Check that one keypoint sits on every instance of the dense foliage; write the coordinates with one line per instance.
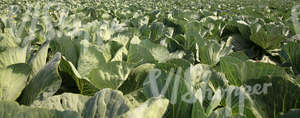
(149, 59)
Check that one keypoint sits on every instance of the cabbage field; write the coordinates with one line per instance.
(149, 59)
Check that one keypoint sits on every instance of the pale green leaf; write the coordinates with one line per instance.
(44, 84)
(13, 81)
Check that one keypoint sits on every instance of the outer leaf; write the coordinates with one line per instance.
(13, 81)
(38, 61)
(281, 94)
(172, 85)
(135, 98)
(198, 111)
(7, 41)
(13, 110)
(89, 59)
(160, 53)
(152, 108)
(206, 82)
(110, 49)
(147, 52)
(238, 42)
(136, 78)
(46, 82)
(67, 48)
(293, 55)
(210, 52)
(239, 54)
(105, 104)
(110, 75)
(238, 72)
(120, 55)
(12, 56)
(268, 36)
(237, 27)
(64, 102)
(84, 85)
(214, 102)
(138, 55)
